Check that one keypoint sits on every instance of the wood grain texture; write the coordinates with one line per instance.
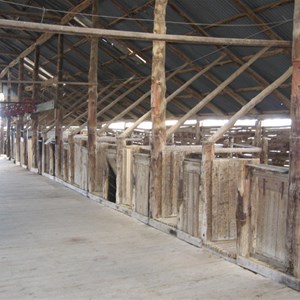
(158, 110)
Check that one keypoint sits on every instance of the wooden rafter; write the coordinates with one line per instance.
(145, 36)
(46, 36)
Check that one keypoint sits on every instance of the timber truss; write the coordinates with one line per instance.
(246, 43)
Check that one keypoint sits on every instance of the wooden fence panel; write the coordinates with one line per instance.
(141, 183)
(271, 216)
(189, 212)
(226, 174)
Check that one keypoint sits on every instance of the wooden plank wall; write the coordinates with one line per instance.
(29, 154)
(51, 156)
(172, 180)
(65, 163)
(126, 171)
(189, 208)
(81, 160)
(78, 163)
(21, 152)
(102, 170)
(141, 183)
(46, 158)
(226, 174)
(271, 214)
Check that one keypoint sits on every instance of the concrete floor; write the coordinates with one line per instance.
(56, 244)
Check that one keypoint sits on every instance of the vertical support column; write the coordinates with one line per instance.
(45, 158)
(258, 134)
(158, 110)
(259, 141)
(8, 130)
(71, 158)
(198, 133)
(34, 117)
(243, 214)
(1, 128)
(25, 146)
(208, 154)
(92, 106)
(121, 144)
(293, 213)
(59, 109)
(264, 155)
(20, 118)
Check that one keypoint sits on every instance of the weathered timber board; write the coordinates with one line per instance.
(271, 216)
(189, 214)
(226, 174)
(141, 183)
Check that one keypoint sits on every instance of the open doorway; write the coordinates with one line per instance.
(112, 185)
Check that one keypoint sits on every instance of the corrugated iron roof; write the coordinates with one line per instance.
(119, 60)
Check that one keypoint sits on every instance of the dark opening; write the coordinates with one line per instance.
(53, 155)
(112, 185)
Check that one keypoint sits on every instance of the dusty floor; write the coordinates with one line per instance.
(56, 244)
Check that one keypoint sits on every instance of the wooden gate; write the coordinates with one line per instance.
(271, 211)
(189, 211)
(141, 183)
(226, 174)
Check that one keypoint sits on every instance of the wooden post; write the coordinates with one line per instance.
(45, 158)
(20, 118)
(71, 158)
(158, 110)
(2, 136)
(208, 155)
(121, 145)
(243, 215)
(258, 134)
(293, 213)
(34, 117)
(59, 109)
(25, 146)
(8, 146)
(264, 155)
(1, 128)
(198, 133)
(92, 106)
(40, 142)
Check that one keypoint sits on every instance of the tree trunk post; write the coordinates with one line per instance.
(158, 110)
(92, 105)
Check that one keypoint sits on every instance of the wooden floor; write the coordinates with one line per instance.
(56, 244)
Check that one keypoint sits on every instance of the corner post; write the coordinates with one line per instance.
(293, 213)
(158, 110)
(59, 109)
(34, 117)
(92, 105)
(208, 155)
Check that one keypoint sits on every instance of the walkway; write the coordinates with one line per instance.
(56, 244)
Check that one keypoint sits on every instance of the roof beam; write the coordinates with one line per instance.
(47, 35)
(252, 103)
(32, 15)
(215, 92)
(50, 29)
(282, 98)
(168, 99)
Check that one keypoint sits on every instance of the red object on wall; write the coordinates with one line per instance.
(17, 108)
